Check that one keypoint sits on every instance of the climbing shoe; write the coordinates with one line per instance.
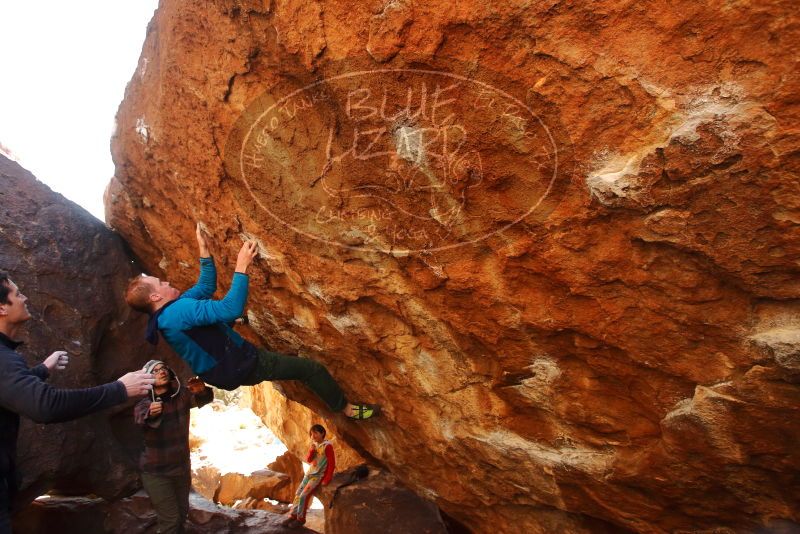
(364, 411)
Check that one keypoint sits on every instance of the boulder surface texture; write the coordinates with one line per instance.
(376, 501)
(558, 242)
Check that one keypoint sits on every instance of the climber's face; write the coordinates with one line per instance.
(317, 436)
(161, 290)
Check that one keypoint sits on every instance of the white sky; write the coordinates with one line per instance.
(63, 73)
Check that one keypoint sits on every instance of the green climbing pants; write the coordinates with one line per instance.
(275, 366)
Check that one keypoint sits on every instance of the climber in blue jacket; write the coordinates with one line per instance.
(198, 329)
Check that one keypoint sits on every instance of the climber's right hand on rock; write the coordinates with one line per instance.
(137, 383)
(202, 243)
(246, 255)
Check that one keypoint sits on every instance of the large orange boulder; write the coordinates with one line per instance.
(558, 242)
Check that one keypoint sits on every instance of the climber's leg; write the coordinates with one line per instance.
(275, 366)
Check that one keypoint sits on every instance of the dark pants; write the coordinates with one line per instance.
(170, 498)
(5, 506)
(275, 366)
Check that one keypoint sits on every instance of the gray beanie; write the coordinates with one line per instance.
(148, 368)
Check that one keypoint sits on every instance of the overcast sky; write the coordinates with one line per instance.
(63, 74)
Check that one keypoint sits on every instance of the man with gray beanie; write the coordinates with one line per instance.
(165, 465)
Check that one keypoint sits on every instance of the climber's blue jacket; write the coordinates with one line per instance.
(197, 328)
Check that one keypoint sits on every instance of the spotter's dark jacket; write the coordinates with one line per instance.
(23, 391)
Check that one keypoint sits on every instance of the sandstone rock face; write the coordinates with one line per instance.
(377, 502)
(557, 242)
(263, 484)
(231, 487)
(73, 271)
(205, 481)
(315, 518)
(288, 464)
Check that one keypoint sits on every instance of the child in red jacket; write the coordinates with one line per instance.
(323, 464)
